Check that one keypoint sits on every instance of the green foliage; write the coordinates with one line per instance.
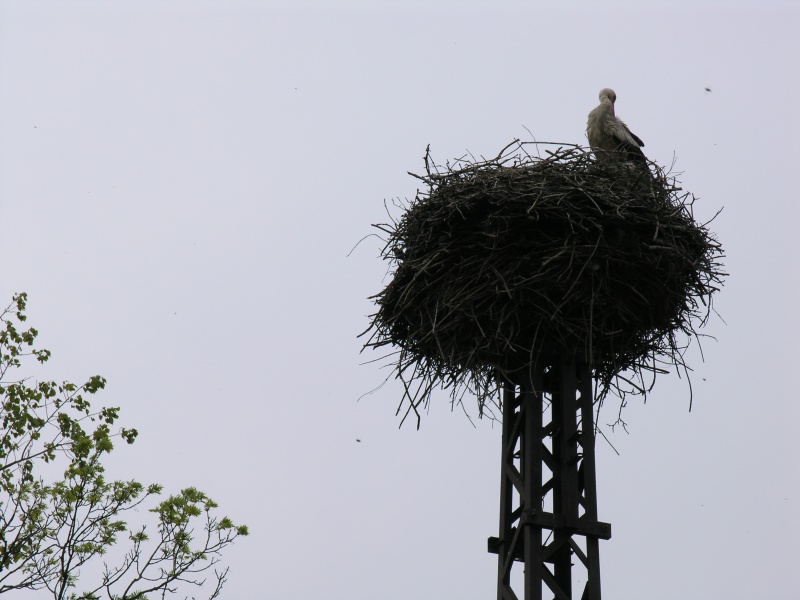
(49, 530)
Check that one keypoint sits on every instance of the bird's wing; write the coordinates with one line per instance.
(620, 131)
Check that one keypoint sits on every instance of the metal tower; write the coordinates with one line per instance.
(548, 497)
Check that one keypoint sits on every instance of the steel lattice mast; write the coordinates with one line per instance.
(548, 497)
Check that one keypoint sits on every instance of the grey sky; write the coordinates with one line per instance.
(180, 184)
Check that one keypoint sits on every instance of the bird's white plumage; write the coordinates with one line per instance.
(609, 138)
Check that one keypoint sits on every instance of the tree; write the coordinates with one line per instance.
(50, 529)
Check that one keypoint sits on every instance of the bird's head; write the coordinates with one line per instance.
(608, 93)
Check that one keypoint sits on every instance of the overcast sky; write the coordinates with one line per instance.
(181, 184)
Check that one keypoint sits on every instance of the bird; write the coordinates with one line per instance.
(609, 138)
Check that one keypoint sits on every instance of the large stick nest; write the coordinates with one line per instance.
(505, 262)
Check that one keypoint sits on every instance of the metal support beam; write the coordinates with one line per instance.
(548, 486)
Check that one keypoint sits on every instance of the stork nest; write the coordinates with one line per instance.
(503, 263)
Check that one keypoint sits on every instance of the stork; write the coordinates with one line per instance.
(609, 137)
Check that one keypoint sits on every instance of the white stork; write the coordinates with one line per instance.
(609, 137)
